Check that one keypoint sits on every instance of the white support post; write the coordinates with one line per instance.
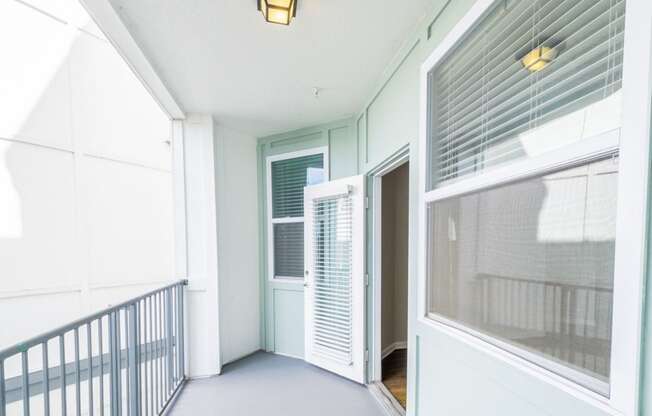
(202, 345)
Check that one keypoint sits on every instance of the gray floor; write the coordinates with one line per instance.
(268, 384)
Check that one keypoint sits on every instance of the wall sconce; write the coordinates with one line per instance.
(538, 58)
(278, 11)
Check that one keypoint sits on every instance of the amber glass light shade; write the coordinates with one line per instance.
(539, 58)
(278, 11)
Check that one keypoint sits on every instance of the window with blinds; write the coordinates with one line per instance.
(532, 76)
(288, 178)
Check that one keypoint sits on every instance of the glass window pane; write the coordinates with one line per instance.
(289, 177)
(288, 250)
(332, 278)
(531, 264)
(531, 77)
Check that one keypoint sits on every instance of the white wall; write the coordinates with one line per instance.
(222, 239)
(202, 314)
(237, 213)
(86, 207)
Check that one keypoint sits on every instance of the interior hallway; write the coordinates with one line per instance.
(268, 384)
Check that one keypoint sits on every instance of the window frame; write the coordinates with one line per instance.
(632, 143)
(270, 220)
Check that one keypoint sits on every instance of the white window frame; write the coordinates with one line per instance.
(632, 142)
(269, 218)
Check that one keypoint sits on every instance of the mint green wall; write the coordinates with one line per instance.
(646, 389)
(446, 375)
(646, 369)
(282, 330)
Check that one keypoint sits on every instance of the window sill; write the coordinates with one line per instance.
(549, 377)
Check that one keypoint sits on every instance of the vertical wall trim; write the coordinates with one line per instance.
(366, 135)
(179, 193)
(414, 400)
(82, 267)
(434, 19)
(262, 257)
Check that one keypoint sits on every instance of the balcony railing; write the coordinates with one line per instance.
(125, 360)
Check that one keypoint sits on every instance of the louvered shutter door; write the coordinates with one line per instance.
(484, 103)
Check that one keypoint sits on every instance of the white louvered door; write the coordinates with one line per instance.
(334, 277)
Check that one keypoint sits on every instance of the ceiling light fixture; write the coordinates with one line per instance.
(278, 11)
(539, 58)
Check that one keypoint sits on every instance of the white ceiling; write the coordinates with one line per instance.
(220, 57)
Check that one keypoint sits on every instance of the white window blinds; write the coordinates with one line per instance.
(289, 177)
(333, 316)
(492, 101)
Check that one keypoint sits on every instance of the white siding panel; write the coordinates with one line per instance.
(130, 223)
(34, 87)
(115, 116)
(36, 217)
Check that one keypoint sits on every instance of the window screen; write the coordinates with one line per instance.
(288, 178)
(531, 77)
(531, 264)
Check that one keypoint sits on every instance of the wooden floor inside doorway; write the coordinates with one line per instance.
(395, 374)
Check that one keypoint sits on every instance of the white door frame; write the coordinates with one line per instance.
(392, 163)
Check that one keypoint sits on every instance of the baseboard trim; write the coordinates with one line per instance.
(399, 345)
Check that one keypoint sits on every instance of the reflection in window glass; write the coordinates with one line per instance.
(493, 101)
(532, 263)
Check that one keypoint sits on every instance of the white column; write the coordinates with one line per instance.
(196, 240)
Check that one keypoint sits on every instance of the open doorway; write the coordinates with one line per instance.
(394, 285)
(390, 223)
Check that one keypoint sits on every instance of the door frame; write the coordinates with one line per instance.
(374, 259)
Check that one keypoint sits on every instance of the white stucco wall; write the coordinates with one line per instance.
(237, 212)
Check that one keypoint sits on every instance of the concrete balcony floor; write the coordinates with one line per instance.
(268, 384)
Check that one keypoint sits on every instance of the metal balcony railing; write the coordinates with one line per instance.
(125, 360)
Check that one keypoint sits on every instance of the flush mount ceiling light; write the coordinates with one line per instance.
(538, 58)
(278, 11)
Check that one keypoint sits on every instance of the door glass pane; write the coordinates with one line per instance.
(531, 264)
(332, 268)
